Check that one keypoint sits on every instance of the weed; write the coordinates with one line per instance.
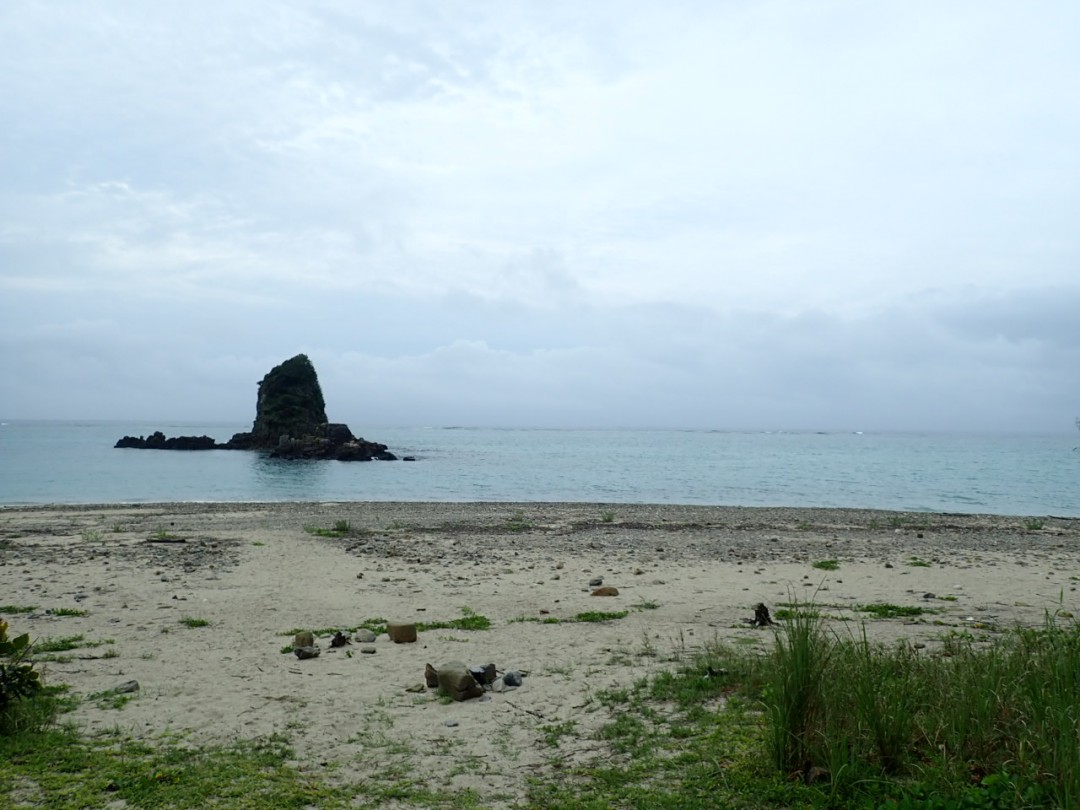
(644, 605)
(73, 612)
(191, 621)
(607, 517)
(826, 565)
(13, 610)
(918, 563)
(1034, 524)
(554, 732)
(600, 616)
(885, 610)
(517, 522)
(92, 536)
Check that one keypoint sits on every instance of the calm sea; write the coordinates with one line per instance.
(74, 462)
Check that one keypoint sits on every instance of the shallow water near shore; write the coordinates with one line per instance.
(75, 462)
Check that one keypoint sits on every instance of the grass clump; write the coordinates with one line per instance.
(832, 721)
(826, 565)
(193, 622)
(886, 610)
(600, 616)
(71, 612)
(15, 610)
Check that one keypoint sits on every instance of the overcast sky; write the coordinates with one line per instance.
(718, 214)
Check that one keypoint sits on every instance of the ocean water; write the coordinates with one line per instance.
(75, 462)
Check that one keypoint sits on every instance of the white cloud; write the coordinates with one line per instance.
(792, 214)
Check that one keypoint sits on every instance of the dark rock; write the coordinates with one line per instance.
(126, 688)
(304, 653)
(431, 676)
(339, 640)
(512, 678)
(596, 582)
(401, 633)
(483, 674)
(761, 616)
(158, 441)
(289, 403)
(290, 423)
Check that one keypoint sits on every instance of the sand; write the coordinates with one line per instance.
(688, 577)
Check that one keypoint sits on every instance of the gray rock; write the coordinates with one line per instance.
(596, 582)
(127, 687)
(451, 724)
(364, 636)
(512, 678)
(304, 639)
(368, 650)
(457, 682)
(304, 653)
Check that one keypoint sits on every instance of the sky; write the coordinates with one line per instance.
(759, 215)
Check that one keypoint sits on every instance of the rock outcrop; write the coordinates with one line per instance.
(290, 423)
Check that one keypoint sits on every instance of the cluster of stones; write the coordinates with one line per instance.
(455, 679)
(290, 423)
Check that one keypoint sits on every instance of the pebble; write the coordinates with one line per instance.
(451, 724)
(368, 650)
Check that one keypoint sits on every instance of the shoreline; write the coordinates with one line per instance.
(688, 576)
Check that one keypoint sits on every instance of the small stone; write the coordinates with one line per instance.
(368, 650)
(431, 677)
(304, 639)
(607, 590)
(888, 565)
(451, 724)
(404, 633)
(560, 565)
(304, 653)
(596, 582)
(512, 678)
(929, 596)
(364, 636)
(126, 688)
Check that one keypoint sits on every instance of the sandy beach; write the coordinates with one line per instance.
(247, 574)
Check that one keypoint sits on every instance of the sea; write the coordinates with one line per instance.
(74, 462)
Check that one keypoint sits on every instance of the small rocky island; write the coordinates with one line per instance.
(290, 422)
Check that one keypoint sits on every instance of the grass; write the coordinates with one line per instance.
(341, 528)
(65, 643)
(831, 721)
(1034, 524)
(826, 565)
(822, 720)
(885, 610)
(587, 617)
(14, 610)
(607, 517)
(193, 622)
(72, 612)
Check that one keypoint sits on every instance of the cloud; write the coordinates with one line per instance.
(822, 214)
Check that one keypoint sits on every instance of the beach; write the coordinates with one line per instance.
(196, 602)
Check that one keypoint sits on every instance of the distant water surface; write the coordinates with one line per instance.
(75, 462)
